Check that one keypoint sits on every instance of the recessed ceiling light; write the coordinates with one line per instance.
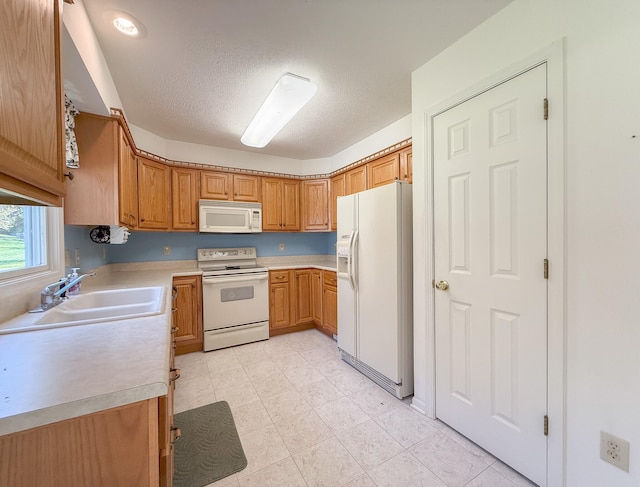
(125, 23)
(125, 26)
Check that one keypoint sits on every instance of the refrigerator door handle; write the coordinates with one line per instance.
(352, 265)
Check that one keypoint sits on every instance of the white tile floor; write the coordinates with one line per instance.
(305, 418)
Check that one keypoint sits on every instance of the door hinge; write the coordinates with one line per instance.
(546, 425)
(546, 108)
(546, 268)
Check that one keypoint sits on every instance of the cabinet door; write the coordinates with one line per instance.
(271, 204)
(215, 185)
(185, 194)
(280, 305)
(92, 196)
(154, 195)
(315, 205)
(356, 180)
(384, 170)
(188, 318)
(31, 100)
(290, 205)
(330, 309)
(246, 188)
(337, 189)
(127, 182)
(303, 296)
(316, 296)
(165, 434)
(406, 165)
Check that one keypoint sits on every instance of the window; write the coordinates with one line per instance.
(23, 244)
(29, 241)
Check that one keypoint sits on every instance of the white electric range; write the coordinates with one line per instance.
(235, 297)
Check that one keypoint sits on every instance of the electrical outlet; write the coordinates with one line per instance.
(614, 450)
(281, 247)
(76, 257)
(167, 250)
(67, 258)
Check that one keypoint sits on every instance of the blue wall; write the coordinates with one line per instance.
(92, 255)
(148, 246)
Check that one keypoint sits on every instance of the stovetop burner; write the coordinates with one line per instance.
(228, 261)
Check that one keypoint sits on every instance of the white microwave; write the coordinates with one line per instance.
(229, 217)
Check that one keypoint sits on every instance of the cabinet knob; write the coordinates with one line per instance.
(406, 176)
(174, 375)
(176, 433)
(141, 219)
(174, 329)
(396, 178)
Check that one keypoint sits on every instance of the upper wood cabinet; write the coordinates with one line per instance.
(337, 189)
(280, 204)
(315, 205)
(32, 160)
(246, 187)
(127, 181)
(92, 197)
(406, 165)
(185, 192)
(356, 180)
(384, 170)
(104, 190)
(226, 186)
(215, 185)
(154, 195)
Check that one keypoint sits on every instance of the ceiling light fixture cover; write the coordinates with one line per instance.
(286, 99)
(125, 23)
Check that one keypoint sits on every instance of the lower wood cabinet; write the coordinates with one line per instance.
(302, 298)
(316, 296)
(280, 309)
(129, 445)
(330, 303)
(188, 314)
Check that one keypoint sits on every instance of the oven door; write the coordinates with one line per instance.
(235, 300)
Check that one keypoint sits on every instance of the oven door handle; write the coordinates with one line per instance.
(222, 280)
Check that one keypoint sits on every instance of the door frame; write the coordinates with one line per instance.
(553, 57)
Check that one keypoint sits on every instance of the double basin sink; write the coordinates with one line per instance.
(95, 307)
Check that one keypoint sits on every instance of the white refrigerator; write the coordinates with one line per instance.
(375, 285)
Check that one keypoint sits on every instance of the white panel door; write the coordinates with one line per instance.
(379, 280)
(490, 206)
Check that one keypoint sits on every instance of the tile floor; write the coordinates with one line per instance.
(306, 418)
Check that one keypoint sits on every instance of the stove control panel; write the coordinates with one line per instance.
(226, 254)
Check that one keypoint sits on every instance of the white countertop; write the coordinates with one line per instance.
(55, 374)
(325, 262)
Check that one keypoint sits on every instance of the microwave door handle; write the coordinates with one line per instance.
(220, 280)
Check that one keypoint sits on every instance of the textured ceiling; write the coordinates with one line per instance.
(206, 66)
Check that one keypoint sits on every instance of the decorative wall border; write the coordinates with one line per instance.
(118, 114)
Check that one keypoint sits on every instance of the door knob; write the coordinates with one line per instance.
(442, 285)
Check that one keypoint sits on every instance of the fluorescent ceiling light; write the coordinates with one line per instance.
(288, 96)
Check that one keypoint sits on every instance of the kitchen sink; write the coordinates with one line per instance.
(97, 307)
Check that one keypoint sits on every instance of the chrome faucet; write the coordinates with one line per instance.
(49, 297)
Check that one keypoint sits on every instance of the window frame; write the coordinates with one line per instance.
(17, 280)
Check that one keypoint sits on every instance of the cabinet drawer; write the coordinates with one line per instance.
(278, 277)
(330, 278)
